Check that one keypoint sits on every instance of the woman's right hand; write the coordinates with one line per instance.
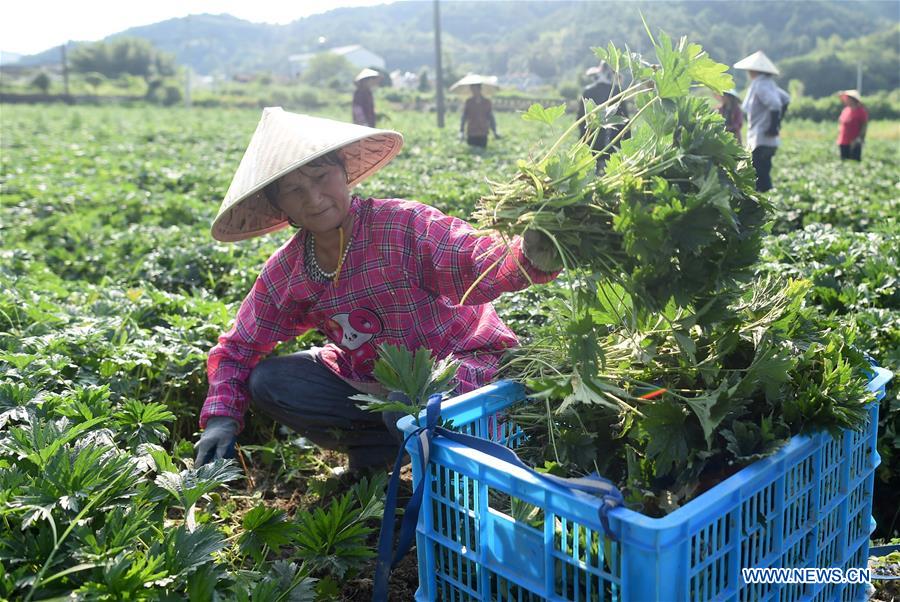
(217, 440)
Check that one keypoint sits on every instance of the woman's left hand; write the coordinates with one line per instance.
(541, 251)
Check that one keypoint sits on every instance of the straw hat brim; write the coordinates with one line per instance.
(466, 90)
(366, 74)
(488, 84)
(759, 62)
(282, 143)
(852, 94)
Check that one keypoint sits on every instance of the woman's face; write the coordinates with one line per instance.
(316, 197)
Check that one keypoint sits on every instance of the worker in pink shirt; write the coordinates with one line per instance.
(730, 110)
(852, 125)
(363, 272)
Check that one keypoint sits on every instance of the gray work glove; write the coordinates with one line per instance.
(541, 252)
(217, 440)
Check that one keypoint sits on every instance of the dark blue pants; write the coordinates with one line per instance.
(762, 162)
(302, 393)
(853, 152)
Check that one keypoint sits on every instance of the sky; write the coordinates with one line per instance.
(31, 26)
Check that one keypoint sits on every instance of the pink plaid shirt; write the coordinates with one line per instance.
(402, 282)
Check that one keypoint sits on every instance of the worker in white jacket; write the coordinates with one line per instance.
(765, 105)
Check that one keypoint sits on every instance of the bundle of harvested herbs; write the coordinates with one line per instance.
(673, 214)
(668, 412)
(669, 366)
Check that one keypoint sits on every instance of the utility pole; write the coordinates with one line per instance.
(439, 70)
(859, 77)
(187, 86)
(65, 70)
(187, 69)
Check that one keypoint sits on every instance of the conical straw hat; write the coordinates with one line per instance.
(488, 83)
(366, 74)
(854, 94)
(757, 61)
(283, 142)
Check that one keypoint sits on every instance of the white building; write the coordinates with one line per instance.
(357, 55)
(404, 80)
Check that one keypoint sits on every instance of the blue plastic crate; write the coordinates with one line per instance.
(807, 505)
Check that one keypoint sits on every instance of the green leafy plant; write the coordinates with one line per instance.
(332, 541)
(283, 582)
(264, 529)
(414, 374)
(189, 485)
(143, 422)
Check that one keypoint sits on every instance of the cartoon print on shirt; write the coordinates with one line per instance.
(353, 332)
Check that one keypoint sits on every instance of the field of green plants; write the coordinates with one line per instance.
(112, 292)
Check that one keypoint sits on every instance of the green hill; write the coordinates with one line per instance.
(833, 64)
(551, 39)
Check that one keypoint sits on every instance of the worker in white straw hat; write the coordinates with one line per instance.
(765, 105)
(477, 116)
(852, 125)
(363, 272)
(363, 99)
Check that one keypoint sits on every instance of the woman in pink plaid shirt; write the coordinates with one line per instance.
(362, 272)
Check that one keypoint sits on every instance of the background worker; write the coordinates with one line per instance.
(765, 106)
(852, 125)
(730, 109)
(363, 99)
(477, 115)
(601, 88)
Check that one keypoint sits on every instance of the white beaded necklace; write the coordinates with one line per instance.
(317, 272)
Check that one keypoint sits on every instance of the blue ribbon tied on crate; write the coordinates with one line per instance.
(609, 495)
